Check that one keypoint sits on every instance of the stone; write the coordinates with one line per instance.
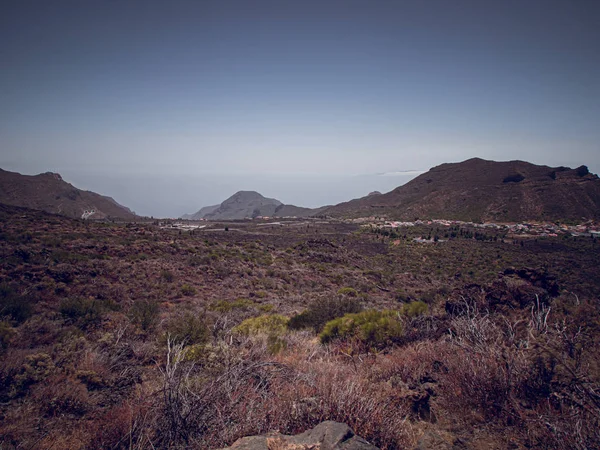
(327, 435)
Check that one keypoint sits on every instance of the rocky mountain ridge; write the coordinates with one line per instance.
(477, 189)
(249, 205)
(49, 192)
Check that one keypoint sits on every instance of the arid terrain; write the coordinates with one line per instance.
(143, 335)
(49, 192)
(479, 189)
(300, 225)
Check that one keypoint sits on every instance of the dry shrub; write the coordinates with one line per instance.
(144, 313)
(206, 410)
(12, 361)
(563, 390)
(248, 391)
(414, 364)
(127, 425)
(19, 427)
(478, 387)
(67, 436)
(334, 390)
(535, 382)
(60, 395)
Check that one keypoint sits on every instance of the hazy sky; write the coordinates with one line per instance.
(156, 90)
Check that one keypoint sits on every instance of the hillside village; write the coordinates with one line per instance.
(533, 229)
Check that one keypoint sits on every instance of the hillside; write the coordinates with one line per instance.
(242, 205)
(49, 192)
(296, 211)
(201, 213)
(477, 189)
(250, 204)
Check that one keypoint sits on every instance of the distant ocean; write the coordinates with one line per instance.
(172, 196)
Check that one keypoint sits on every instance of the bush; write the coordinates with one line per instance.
(372, 329)
(14, 306)
(61, 396)
(275, 344)
(266, 308)
(6, 334)
(322, 311)
(190, 329)
(83, 310)
(188, 290)
(414, 309)
(144, 313)
(37, 367)
(225, 306)
(167, 275)
(350, 292)
(272, 325)
(514, 178)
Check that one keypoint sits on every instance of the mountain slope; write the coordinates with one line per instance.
(50, 193)
(201, 213)
(477, 189)
(250, 204)
(297, 211)
(242, 205)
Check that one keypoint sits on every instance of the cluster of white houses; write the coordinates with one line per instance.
(534, 228)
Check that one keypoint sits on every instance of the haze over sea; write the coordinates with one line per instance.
(171, 106)
(172, 195)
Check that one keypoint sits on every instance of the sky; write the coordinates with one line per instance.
(169, 106)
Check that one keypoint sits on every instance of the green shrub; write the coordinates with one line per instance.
(16, 307)
(350, 292)
(188, 290)
(273, 325)
(6, 334)
(167, 275)
(196, 260)
(227, 306)
(85, 311)
(320, 312)
(90, 378)
(197, 352)
(266, 308)
(372, 329)
(144, 313)
(414, 309)
(275, 344)
(36, 368)
(188, 328)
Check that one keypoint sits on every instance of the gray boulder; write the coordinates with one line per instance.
(325, 436)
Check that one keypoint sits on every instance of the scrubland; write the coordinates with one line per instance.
(132, 336)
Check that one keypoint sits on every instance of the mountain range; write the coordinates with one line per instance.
(472, 190)
(481, 190)
(49, 192)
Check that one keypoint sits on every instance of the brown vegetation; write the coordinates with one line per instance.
(129, 336)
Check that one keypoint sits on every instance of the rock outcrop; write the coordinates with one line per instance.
(327, 435)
